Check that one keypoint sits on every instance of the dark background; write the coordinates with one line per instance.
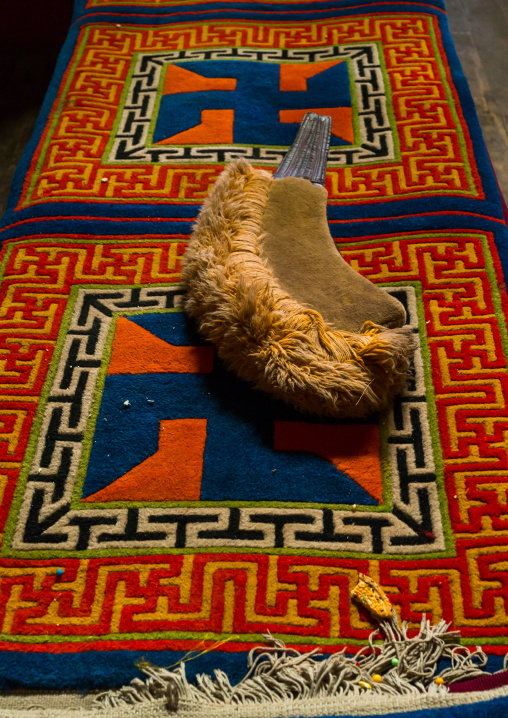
(31, 35)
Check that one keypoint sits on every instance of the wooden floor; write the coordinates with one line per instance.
(29, 51)
(480, 33)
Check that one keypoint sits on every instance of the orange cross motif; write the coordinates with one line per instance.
(174, 472)
(191, 93)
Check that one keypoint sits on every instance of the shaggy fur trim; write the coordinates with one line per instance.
(265, 336)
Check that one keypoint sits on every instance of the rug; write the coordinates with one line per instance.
(153, 504)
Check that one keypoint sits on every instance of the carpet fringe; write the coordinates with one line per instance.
(277, 673)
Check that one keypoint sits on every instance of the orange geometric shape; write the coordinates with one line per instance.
(216, 127)
(353, 449)
(137, 351)
(180, 80)
(173, 473)
(71, 156)
(342, 119)
(293, 78)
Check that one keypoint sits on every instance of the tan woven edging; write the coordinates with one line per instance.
(50, 706)
(264, 335)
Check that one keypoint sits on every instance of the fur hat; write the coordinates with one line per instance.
(265, 335)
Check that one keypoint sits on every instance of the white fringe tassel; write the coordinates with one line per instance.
(276, 673)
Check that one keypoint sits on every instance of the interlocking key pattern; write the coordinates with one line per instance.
(409, 131)
(445, 446)
(48, 521)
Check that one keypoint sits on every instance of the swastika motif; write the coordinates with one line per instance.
(447, 278)
(409, 135)
(412, 526)
(130, 144)
(151, 502)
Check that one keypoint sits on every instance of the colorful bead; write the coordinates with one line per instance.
(59, 572)
(439, 681)
(364, 684)
(377, 678)
(395, 661)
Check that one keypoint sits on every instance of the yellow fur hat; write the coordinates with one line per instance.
(264, 334)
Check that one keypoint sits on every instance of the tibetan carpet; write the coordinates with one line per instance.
(152, 504)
